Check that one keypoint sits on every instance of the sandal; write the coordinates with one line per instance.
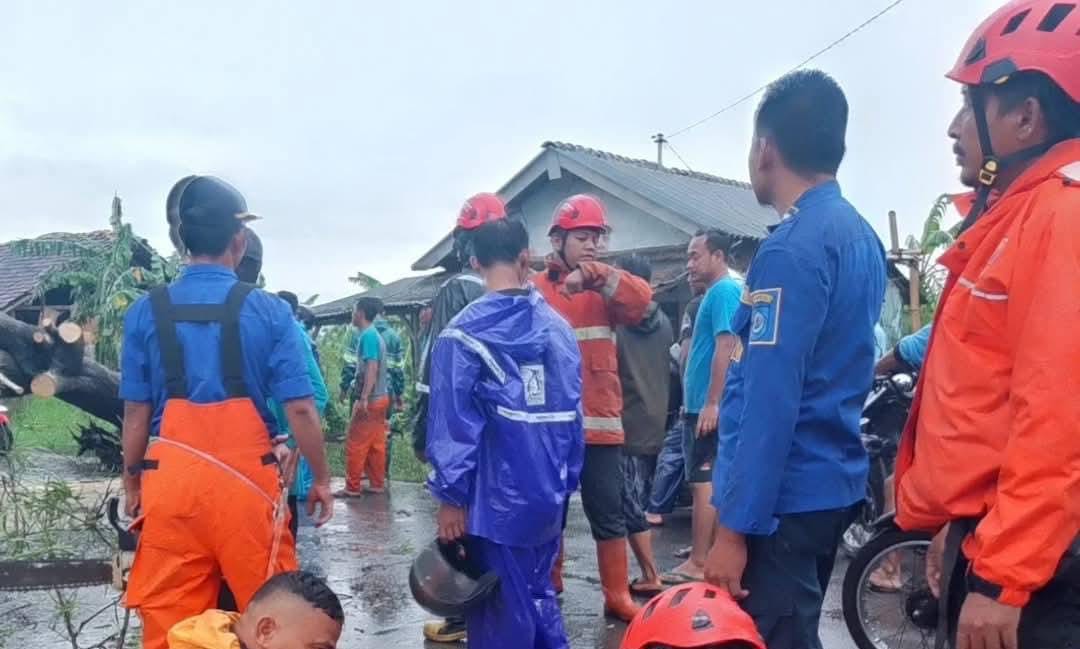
(639, 586)
(677, 579)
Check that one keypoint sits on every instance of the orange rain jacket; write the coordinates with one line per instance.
(615, 297)
(994, 432)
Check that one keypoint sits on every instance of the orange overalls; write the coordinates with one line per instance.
(994, 433)
(213, 501)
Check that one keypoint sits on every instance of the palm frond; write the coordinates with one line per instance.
(365, 281)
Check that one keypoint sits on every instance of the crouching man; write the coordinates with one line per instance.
(505, 440)
(292, 609)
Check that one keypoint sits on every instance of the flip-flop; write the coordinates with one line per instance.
(677, 579)
(683, 553)
(641, 587)
(884, 589)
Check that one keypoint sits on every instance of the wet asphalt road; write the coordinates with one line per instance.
(365, 552)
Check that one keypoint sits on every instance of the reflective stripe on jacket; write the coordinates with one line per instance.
(994, 432)
(614, 297)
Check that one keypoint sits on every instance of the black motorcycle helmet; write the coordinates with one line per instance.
(250, 266)
(203, 201)
(446, 582)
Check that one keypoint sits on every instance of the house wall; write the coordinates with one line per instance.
(632, 227)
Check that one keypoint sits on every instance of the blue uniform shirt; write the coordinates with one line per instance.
(714, 317)
(802, 366)
(274, 358)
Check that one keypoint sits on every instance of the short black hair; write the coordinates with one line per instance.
(805, 114)
(207, 240)
(371, 307)
(1062, 113)
(637, 265)
(500, 241)
(307, 587)
(717, 241)
(290, 299)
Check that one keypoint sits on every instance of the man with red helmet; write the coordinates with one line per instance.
(454, 295)
(594, 298)
(991, 455)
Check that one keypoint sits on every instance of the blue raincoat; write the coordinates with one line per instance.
(506, 442)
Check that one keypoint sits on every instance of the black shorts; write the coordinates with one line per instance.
(635, 494)
(602, 487)
(700, 452)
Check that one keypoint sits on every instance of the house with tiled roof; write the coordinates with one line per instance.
(654, 210)
(22, 273)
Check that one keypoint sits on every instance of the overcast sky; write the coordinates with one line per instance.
(358, 128)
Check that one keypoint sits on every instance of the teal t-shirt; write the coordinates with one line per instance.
(371, 347)
(714, 318)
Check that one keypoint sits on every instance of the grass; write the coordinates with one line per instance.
(46, 424)
(49, 424)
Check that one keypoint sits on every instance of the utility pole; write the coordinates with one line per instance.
(660, 142)
(911, 259)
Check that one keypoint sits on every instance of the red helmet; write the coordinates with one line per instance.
(1035, 35)
(481, 209)
(579, 212)
(691, 617)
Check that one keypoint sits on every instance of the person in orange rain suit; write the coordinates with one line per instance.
(200, 358)
(365, 447)
(595, 298)
(991, 453)
(292, 610)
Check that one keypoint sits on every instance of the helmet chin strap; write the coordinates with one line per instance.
(992, 166)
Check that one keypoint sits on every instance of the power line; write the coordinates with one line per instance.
(808, 59)
(684, 162)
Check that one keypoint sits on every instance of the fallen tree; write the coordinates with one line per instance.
(49, 360)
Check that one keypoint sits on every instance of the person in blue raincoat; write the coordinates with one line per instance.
(791, 470)
(505, 439)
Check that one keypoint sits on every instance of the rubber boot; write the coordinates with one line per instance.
(556, 572)
(615, 579)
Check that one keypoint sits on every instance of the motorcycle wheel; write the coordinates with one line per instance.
(905, 619)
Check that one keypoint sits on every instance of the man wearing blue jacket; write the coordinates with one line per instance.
(506, 442)
(791, 469)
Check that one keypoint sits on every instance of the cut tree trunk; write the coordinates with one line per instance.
(50, 361)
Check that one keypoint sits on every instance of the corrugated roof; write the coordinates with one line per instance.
(20, 275)
(710, 201)
(408, 291)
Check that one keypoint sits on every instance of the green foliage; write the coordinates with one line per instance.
(365, 281)
(104, 280)
(48, 424)
(935, 239)
(403, 463)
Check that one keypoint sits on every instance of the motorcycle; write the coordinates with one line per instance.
(886, 601)
(885, 412)
(7, 435)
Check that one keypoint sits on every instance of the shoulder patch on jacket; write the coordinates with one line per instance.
(765, 316)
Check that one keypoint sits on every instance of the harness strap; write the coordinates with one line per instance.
(958, 531)
(167, 314)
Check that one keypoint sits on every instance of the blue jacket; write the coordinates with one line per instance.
(913, 347)
(801, 369)
(505, 434)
